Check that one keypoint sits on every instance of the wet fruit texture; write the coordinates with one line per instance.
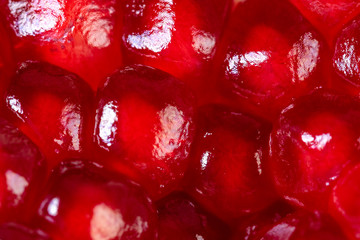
(80, 36)
(177, 36)
(11, 231)
(227, 173)
(21, 173)
(249, 227)
(179, 119)
(303, 225)
(145, 117)
(346, 57)
(180, 218)
(268, 57)
(52, 107)
(314, 139)
(83, 201)
(328, 15)
(344, 202)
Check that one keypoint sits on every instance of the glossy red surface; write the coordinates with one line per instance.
(227, 173)
(13, 231)
(180, 218)
(84, 201)
(145, 117)
(303, 225)
(249, 227)
(177, 36)
(328, 15)
(344, 202)
(268, 57)
(314, 139)
(80, 36)
(21, 173)
(346, 56)
(52, 107)
(243, 61)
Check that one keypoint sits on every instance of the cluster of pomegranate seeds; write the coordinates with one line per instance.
(180, 119)
(74, 35)
(328, 16)
(179, 37)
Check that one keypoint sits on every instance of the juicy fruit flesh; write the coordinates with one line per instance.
(98, 204)
(250, 227)
(51, 106)
(79, 36)
(267, 57)
(328, 15)
(184, 34)
(345, 59)
(21, 170)
(207, 165)
(148, 126)
(304, 137)
(227, 172)
(344, 205)
(303, 225)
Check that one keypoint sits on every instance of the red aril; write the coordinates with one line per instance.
(177, 36)
(207, 173)
(303, 225)
(80, 36)
(346, 57)
(145, 119)
(85, 202)
(227, 174)
(268, 57)
(54, 108)
(250, 226)
(21, 173)
(328, 15)
(344, 202)
(314, 139)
